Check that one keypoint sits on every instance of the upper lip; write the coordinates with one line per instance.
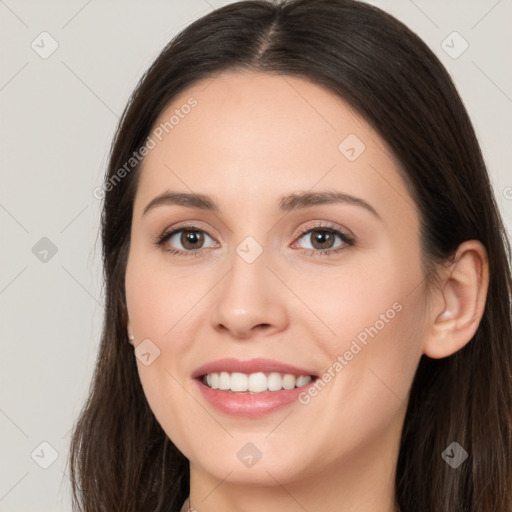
(249, 366)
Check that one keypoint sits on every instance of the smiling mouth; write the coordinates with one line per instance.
(253, 383)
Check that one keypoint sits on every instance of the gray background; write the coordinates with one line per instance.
(58, 116)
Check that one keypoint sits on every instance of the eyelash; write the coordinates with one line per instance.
(347, 239)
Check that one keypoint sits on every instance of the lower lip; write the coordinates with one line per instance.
(250, 405)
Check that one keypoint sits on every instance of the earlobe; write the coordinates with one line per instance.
(461, 297)
(131, 337)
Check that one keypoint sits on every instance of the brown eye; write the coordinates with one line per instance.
(191, 240)
(321, 239)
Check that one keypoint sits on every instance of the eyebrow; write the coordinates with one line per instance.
(294, 201)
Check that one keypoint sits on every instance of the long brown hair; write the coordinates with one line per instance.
(120, 457)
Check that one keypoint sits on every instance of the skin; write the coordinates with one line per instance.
(251, 139)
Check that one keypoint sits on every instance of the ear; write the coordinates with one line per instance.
(459, 302)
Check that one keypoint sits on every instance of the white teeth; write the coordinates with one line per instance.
(224, 381)
(302, 381)
(274, 382)
(254, 382)
(257, 382)
(289, 381)
(239, 382)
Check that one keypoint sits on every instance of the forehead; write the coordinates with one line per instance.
(260, 135)
(249, 114)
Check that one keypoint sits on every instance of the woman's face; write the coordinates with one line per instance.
(274, 287)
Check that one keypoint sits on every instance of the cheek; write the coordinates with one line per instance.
(364, 301)
(376, 354)
(157, 308)
(371, 368)
(159, 297)
(376, 314)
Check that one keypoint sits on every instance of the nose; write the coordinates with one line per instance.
(250, 300)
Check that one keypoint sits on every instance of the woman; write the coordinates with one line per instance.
(241, 369)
